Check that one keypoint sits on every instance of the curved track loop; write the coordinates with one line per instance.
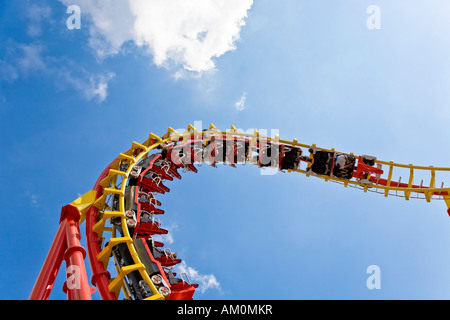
(124, 217)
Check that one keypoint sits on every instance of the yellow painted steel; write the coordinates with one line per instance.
(99, 227)
(84, 202)
(410, 182)
(388, 184)
(116, 284)
(112, 174)
(132, 157)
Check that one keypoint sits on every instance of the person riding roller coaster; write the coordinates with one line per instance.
(343, 166)
(321, 162)
(329, 163)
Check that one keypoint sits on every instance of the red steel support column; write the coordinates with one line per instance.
(78, 288)
(66, 245)
(50, 268)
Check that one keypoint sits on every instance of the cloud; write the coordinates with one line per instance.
(98, 89)
(8, 72)
(30, 58)
(185, 34)
(36, 14)
(205, 282)
(25, 60)
(168, 238)
(32, 198)
(240, 104)
(90, 86)
(21, 60)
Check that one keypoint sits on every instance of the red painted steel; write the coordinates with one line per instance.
(66, 245)
(46, 278)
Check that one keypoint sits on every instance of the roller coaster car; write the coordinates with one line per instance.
(140, 206)
(148, 161)
(235, 150)
(150, 176)
(147, 225)
(161, 168)
(148, 203)
(154, 258)
(152, 181)
(144, 198)
(324, 163)
(321, 162)
(183, 156)
(135, 285)
(241, 148)
(181, 290)
(365, 168)
(289, 157)
(279, 155)
(346, 171)
(268, 154)
(226, 150)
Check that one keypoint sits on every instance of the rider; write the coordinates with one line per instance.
(344, 165)
(340, 161)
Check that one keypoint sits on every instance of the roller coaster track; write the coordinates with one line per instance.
(122, 216)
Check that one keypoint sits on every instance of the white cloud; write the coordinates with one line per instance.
(8, 72)
(240, 104)
(31, 59)
(36, 14)
(205, 282)
(21, 60)
(34, 199)
(180, 33)
(91, 87)
(98, 89)
(168, 238)
(24, 60)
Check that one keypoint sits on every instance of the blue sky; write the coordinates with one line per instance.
(72, 100)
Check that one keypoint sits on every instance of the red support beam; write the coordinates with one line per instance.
(66, 245)
(74, 255)
(50, 268)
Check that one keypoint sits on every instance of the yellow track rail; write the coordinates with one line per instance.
(114, 185)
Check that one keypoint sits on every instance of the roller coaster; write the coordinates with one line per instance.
(121, 212)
